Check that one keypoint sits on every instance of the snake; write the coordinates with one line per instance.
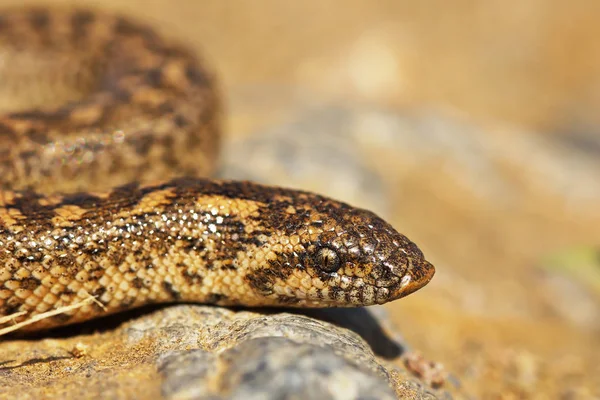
(109, 141)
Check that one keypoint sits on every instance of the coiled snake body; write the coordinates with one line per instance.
(90, 103)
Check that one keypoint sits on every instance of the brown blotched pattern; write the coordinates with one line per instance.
(138, 108)
(87, 97)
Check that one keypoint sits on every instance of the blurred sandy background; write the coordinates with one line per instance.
(472, 126)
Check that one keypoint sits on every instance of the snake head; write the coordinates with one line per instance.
(327, 253)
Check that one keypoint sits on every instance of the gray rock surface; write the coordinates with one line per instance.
(201, 352)
(350, 151)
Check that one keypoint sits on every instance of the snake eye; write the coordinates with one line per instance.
(327, 259)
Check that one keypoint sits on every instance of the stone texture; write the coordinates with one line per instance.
(201, 352)
(355, 149)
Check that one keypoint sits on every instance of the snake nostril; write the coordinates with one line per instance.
(397, 262)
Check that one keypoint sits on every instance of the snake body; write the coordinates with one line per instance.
(91, 102)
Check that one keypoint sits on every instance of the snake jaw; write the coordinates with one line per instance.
(417, 275)
(406, 270)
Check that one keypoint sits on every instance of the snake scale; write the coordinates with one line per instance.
(93, 109)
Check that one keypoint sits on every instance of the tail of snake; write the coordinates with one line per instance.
(93, 108)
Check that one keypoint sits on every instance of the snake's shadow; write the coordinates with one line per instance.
(381, 337)
(369, 325)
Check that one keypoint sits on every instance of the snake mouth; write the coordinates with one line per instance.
(418, 274)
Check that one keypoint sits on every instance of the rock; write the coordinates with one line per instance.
(202, 352)
(354, 153)
(303, 154)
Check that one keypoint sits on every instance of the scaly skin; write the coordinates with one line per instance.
(147, 111)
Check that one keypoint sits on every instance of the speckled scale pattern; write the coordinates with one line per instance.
(71, 226)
